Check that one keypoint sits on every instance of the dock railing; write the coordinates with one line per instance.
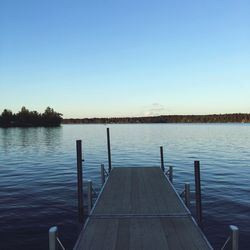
(104, 174)
(232, 241)
(186, 194)
(54, 240)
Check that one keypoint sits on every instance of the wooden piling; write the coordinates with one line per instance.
(102, 174)
(89, 196)
(79, 180)
(170, 174)
(109, 151)
(198, 192)
(162, 159)
(187, 195)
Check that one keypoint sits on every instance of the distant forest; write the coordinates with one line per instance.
(26, 118)
(216, 118)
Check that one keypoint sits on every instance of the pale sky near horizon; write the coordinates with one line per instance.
(125, 58)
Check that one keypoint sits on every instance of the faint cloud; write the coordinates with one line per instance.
(155, 109)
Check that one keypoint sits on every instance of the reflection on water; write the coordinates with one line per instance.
(38, 174)
(30, 136)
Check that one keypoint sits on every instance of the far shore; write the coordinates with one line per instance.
(214, 118)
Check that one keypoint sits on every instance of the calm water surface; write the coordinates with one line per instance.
(38, 175)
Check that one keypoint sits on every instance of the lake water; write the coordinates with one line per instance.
(38, 175)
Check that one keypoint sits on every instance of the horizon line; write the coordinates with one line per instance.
(151, 116)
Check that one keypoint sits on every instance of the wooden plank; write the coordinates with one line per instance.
(144, 233)
(138, 190)
(139, 209)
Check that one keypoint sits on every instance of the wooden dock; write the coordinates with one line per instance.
(138, 208)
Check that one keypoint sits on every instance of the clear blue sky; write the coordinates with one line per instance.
(125, 58)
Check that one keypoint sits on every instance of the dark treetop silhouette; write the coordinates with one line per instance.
(26, 118)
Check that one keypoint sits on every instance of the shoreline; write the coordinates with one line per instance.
(214, 118)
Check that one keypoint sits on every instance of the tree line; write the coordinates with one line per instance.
(26, 118)
(215, 118)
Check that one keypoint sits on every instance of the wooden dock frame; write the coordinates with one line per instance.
(155, 217)
(144, 237)
(138, 208)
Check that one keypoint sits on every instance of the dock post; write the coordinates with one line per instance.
(109, 151)
(234, 237)
(102, 174)
(89, 196)
(162, 159)
(52, 238)
(170, 174)
(198, 192)
(79, 180)
(187, 195)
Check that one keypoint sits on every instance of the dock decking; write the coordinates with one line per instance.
(138, 208)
